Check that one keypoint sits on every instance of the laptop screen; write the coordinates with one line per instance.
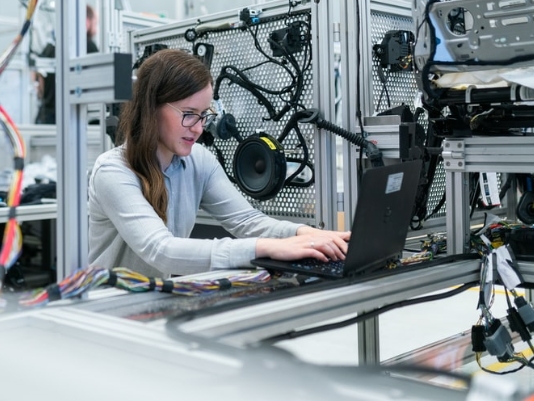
(382, 218)
(380, 225)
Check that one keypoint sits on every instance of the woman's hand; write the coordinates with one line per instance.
(308, 243)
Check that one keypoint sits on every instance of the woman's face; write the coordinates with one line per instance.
(174, 138)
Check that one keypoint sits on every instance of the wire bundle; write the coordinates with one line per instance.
(123, 278)
(430, 247)
(12, 242)
(8, 53)
(493, 235)
(489, 334)
(126, 279)
(73, 285)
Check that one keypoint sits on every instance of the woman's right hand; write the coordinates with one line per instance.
(317, 245)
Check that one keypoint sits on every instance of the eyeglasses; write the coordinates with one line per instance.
(190, 119)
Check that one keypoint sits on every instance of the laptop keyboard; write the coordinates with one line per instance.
(311, 265)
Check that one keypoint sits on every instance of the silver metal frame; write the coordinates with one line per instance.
(31, 212)
(82, 79)
(100, 78)
(72, 224)
(356, 66)
(324, 98)
(252, 324)
(478, 154)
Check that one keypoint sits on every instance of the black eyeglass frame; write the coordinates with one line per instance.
(206, 118)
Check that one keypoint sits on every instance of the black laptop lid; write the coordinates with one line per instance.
(380, 225)
(383, 213)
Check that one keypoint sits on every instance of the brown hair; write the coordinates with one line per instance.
(90, 13)
(166, 76)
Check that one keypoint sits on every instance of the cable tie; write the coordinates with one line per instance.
(224, 284)
(19, 163)
(168, 286)
(468, 93)
(152, 283)
(112, 279)
(12, 213)
(54, 292)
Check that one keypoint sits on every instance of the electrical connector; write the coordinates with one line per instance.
(249, 16)
(477, 338)
(525, 311)
(498, 341)
(289, 38)
(374, 154)
(517, 324)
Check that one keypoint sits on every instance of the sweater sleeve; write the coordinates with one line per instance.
(124, 226)
(227, 205)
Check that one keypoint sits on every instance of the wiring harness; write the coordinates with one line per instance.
(431, 246)
(12, 240)
(123, 278)
(489, 334)
(10, 51)
(296, 37)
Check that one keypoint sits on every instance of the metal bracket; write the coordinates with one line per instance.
(384, 132)
(505, 154)
(100, 78)
(454, 154)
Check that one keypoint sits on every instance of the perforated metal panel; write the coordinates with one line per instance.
(236, 47)
(402, 89)
(401, 85)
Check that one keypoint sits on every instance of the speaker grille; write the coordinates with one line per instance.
(259, 170)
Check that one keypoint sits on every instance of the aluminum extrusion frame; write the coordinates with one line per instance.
(477, 154)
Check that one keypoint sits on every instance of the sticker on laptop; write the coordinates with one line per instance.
(394, 183)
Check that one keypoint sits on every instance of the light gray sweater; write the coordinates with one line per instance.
(125, 231)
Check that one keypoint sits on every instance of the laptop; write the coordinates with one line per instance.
(381, 221)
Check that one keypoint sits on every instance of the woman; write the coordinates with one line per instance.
(144, 194)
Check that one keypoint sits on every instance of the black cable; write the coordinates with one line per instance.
(508, 298)
(506, 186)
(2, 275)
(304, 162)
(244, 83)
(358, 87)
(312, 116)
(294, 89)
(269, 58)
(353, 138)
(222, 162)
(529, 364)
(292, 125)
(368, 315)
(438, 207)
(475, 193)
(383, 79)
(289, 181)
